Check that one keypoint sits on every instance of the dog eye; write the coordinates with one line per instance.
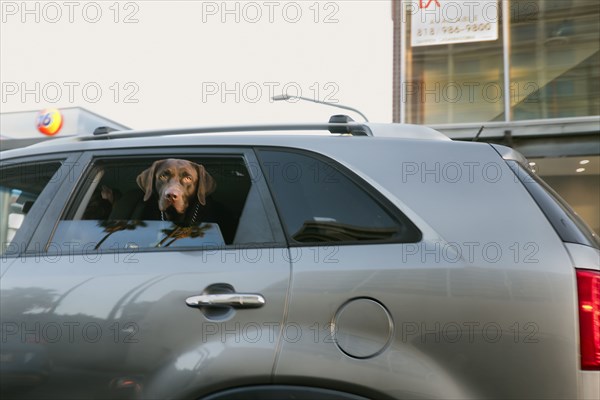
(162, 177)
(187, 178)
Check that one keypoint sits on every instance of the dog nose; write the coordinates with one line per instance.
(171, 195)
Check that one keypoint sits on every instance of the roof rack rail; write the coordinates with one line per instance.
(337, 124)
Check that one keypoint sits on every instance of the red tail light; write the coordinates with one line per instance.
(588, 289)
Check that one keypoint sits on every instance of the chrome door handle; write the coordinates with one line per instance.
(236, 300)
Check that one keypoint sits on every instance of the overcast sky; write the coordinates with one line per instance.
(179, 63)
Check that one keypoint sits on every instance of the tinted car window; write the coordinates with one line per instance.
(569, 226)
(20, 186)
(110, 212)
(321, 203)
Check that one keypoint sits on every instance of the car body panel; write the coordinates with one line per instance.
(584, 256)
(129, 319)
(484, 306)
(113, 324)
(441, 292)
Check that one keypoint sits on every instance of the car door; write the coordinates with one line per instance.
(346, 249)
(27, 187)
(120, 309)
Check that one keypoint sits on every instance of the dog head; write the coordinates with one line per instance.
(177, 183)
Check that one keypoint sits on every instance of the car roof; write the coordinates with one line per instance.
(240, 135)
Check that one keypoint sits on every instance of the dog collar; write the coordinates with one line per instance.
(192, 222)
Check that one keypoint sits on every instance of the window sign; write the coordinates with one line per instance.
(435, 22)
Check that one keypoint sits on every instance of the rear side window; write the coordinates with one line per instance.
(20, 186)
(569, 226)
(319, 201)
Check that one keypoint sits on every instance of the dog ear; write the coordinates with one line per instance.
(206, 183)
(145, 180)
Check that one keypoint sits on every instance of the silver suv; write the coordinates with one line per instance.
(337, 261)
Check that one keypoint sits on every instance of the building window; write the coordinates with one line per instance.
(555, 58)
(451, 83)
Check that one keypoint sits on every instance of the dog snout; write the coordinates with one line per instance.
(172, 194)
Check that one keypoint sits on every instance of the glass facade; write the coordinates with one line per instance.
(553, 48)
(527, 70)
(454, 83)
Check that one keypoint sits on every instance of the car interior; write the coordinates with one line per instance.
(230, 199)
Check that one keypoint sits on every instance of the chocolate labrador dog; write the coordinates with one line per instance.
(181, 187)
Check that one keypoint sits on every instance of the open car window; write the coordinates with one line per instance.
(110, 211)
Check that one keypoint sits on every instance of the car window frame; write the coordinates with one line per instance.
(24, 237)
(70, 190)
(381, 200)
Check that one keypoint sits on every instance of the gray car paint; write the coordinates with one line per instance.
(525, 294)
(429, 289)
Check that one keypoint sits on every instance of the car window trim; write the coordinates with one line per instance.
(69, 190)
(395, 214)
